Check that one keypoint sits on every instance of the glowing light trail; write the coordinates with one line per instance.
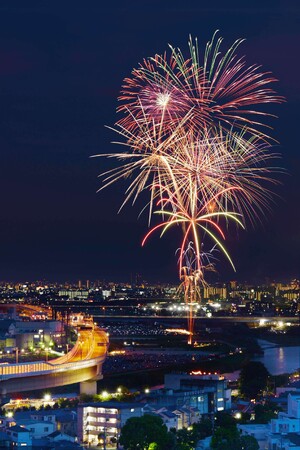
(194, 142)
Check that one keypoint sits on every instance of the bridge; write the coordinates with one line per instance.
(83, 364)
(246, 319)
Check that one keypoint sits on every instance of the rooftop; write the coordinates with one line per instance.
(112, 404)
(18, 429)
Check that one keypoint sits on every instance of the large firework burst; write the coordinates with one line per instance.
(196, 170)
(193, 140)
(216, 88)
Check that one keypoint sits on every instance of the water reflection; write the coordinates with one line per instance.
(280, 359)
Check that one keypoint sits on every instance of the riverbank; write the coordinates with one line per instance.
(142, 379)
(286, 337)
(280, 360)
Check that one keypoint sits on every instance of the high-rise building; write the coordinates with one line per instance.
(104, 418)
(215, 293)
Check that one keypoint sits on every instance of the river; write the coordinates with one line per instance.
(279, 359)
(276, 359)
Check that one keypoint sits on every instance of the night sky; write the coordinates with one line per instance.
(61, 70)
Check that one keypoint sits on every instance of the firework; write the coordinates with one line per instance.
(190, 286)
(192, 139)
(196, 171)
(220, 89)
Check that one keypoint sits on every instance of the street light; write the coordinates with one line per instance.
(47, 398)
(105, 394)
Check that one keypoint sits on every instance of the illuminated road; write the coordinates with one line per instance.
(89, 345)
(84, 362)
(247, 319)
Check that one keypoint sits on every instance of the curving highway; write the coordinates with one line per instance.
(83, 362)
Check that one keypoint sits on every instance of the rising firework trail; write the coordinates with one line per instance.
(193, 138)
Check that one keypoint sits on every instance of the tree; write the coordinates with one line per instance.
(185, 439)
(144, 432)
(153, 446)
(264, 413)
(184, 446)
(202, 429)
(226, 439)
(249, 443)
(253, 379)
(225, 420)
(245, 418)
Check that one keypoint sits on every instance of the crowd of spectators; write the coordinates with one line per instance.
(139, 360)
(135, 329)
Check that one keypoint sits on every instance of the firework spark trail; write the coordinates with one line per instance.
(220, 89)
(214, 164)
(200, 168)
(191, 282)
(193, 139)
(193, 219)
(190, 286)
(195, 183)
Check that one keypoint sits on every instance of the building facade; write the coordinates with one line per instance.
(104, 420)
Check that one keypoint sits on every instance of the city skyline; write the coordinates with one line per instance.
(61, 73)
